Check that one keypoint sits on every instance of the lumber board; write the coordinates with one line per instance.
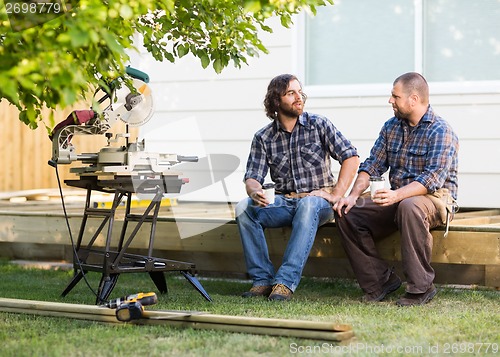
(214, 244)
(318, 330)
(233, 266)
(492, 275)
(459, 247)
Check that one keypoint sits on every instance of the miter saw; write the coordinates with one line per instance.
(122, 170)
(130, 101)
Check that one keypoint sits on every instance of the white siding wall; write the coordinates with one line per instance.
(199, 112)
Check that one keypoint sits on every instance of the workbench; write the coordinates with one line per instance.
(112, 261)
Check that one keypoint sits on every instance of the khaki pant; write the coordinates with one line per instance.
(414, 217)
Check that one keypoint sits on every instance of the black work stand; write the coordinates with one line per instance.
(112, 262)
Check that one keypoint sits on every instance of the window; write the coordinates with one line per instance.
(461, 40)
(370, 43)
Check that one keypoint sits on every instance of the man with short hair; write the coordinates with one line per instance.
(420, 151)
(296, 149)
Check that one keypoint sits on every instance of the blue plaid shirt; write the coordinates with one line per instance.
(427, 153)
(298, 161)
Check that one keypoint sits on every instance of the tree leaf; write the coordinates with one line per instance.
(55, 63)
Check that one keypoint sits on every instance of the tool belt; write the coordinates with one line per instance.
(445, 204)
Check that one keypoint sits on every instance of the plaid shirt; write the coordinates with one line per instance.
(298, 161)
(428, 154)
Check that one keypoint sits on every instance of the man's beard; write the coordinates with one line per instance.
(291, 112)
(400, 115)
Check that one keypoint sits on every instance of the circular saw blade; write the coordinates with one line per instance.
(135, 109)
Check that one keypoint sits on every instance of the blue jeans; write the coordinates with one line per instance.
(304, 215)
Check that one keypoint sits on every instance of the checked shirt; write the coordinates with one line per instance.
(427, 153)
(299, 161)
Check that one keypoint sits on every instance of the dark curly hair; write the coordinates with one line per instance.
(275, 90)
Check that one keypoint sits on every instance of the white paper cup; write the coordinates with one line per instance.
(269, 192)
(376, 183)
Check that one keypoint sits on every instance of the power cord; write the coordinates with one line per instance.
(75, 254)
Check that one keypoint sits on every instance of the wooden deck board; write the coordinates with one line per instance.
(206, 234)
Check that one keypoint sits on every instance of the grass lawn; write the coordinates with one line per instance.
(457, 322)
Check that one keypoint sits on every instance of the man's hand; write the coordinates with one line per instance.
(327, 196)
(259, 198)
(385, 197)
(347, 202)
(255, 192)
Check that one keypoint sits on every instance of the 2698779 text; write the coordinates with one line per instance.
(33, 8)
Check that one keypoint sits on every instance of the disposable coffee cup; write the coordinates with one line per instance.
(376, 183)
(269, 192)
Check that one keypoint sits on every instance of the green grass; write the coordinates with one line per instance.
(457, 320)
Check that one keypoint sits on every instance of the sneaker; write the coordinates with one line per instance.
(410, 299)
(258, 290)
(390, 286)
(281, 293)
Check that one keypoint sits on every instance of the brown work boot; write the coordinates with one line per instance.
(258, 290)
(389, 286)
(281, 293)
(410, 299)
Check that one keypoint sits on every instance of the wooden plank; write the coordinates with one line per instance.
(467, 248)
(456, 274)
(213, 235)
(492, 276)
(478, 221)
(475, 213)
(232, 265)
(208, 236)
(34, 251)
(318, 330)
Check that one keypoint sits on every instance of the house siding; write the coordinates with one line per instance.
(199, 112)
